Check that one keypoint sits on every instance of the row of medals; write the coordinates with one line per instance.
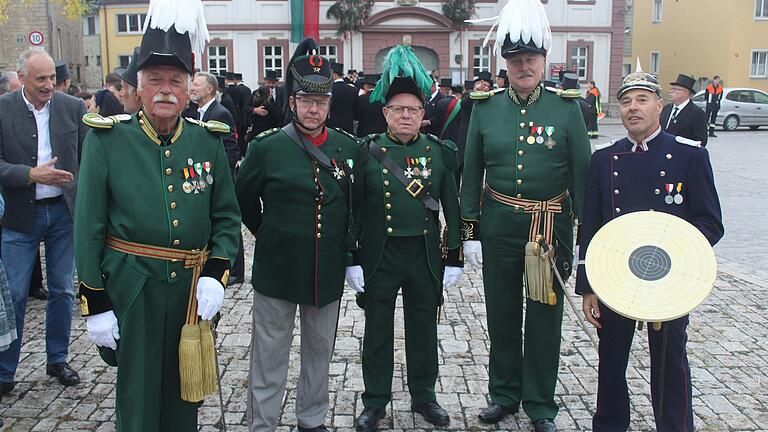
(677, 198)
(412, 168)
(536, 136)
(193, 176)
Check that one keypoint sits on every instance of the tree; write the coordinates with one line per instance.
(458, 11)
(72, 9)
(351, 15)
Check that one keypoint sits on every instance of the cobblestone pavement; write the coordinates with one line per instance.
(728, 349)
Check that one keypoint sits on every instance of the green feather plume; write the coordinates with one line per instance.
(401, 61)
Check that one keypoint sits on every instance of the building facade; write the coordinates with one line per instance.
(120, 24)
(251, 37)
(703, 38)
(61, 37)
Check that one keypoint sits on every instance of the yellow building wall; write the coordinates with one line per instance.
(701, 38)
(112, 43)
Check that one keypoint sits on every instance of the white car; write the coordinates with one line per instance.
(739, 107)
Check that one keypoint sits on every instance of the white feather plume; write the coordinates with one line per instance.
(520, 19)
(186, 15)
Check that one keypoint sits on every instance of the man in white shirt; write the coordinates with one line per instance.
(681, 117)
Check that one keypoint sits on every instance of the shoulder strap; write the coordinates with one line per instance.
(414, 187)
(313, 152)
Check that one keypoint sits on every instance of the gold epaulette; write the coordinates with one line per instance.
(483, 95)
(96, 121)
(565, 94)
(212, 126)
(266, 133)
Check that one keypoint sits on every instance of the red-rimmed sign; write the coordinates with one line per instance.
(36, 38)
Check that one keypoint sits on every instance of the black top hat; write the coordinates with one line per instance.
(685, 81)
(445, 82)
(351, 71)
(270, 75)
(337, 68)
(403, 84)
(371, 79)
(569, 81)
(509, 48)
(129, 75)
(221, 81)
(62, 71)
(469, 84)
(483, 76)
(457, 89)
(229, 76)
(238, 76)
(502, 73)
(166, 48)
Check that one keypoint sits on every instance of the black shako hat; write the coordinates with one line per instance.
(569, 81)
(445, 82)
(307, 71)
(685, 81)
(130, 75)
(166, 48)
(62, 71)
(483, 76)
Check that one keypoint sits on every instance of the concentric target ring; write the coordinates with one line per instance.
(649, 263)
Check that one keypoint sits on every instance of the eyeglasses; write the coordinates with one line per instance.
(307, 102)
(399, 109)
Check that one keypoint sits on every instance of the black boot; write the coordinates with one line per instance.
(495, 413)
(432, 413)
(368, 420)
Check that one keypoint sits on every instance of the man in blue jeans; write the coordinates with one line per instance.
(41, 135)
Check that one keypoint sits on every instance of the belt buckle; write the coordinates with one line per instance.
(415, 193)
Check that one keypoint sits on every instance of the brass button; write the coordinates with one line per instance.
(520, 152)
(319, 235)
(523, 112)
(173, 275)
(389, 218)
(427, 148)
(173, 205)
(425, 231)
(519, 167)
(319, 226)
(519, 195)
(662, 173)
(390, 230)
(656, 191)
(615, 173)
(522, 125)
(615, 157)
(429, 184)
(167, 153)
(319, 217)
(385, 171)
(388, 206)
(386, 182)
(317, 170)
(429, 159)
(176, 242)
(170, 188)
(387, 194)
(384, 149)
(669, 156)
(168, 171)
(519, 181)
(522, 138)
(530, 124)
(175, 223)
(618, 210)
(615, 191)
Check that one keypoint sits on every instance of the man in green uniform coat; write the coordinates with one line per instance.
(157, 199)
(402, 175)
(525, 165)
(294, 188)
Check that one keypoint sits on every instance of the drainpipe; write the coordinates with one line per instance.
(106, 43)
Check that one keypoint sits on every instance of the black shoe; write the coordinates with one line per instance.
(39, 293)
(496, 413)
(320, 428)
(432, 413)
(544, 425)
(712, 134)
(6, 387)
(66, 375)
(368, 420)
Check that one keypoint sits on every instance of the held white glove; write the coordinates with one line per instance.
(355, 278)
(451, 275)
(473, 253)
(575, 262)
(210, 296)
(103, 330)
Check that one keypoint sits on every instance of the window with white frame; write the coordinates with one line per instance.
(761, 9)
(656, 9)
(758, 67)
(330, 52)
(123, 60)
(89, 25)
(579, 60)
(655, 63)
(217, 59)
(273, 59)
(130, 23)
(481, 59)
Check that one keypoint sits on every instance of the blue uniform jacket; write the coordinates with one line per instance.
(621, 181)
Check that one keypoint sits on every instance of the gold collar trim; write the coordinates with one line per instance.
(150, 131)
(532, 98)
(394, 139)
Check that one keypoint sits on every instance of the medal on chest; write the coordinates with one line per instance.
(408, 171)
(550, 142)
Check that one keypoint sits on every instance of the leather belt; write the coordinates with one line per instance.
(537, 209)
(48, 201)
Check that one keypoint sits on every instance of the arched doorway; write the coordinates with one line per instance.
(427, 56)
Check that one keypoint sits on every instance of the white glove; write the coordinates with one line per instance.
(210, 296)
(103, 330)
(575, 262)
(451, 275)
(473, 253)
(355, 278)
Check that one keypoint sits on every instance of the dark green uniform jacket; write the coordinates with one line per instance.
(388, 210)
(302, 230)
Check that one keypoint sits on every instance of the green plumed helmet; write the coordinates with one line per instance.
(402, 73)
